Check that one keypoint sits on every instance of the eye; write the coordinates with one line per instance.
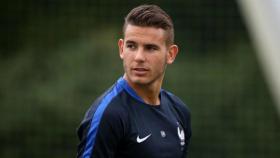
(130, 46)
(151, 48)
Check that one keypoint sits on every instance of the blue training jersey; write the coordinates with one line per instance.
(119, 124)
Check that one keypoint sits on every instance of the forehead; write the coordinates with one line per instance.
(141, 34)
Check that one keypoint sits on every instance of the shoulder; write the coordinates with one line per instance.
(176, 102)
(105, 116)
(106, 108)
(109, 104)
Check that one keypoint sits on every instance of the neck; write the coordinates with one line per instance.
(150, 95)
(148, 92)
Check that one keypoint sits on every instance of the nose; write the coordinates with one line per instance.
(140, 55)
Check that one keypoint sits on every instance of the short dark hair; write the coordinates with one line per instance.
(151, 16)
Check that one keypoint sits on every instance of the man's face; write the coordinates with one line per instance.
(145, 54)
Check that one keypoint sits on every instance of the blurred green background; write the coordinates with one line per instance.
(57, 56)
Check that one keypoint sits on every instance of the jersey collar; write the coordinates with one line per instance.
(123, 83)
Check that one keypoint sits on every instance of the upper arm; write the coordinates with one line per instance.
(101, 139)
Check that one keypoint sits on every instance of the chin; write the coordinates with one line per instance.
(139, 80)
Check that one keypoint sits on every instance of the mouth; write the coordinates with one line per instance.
(140, 71)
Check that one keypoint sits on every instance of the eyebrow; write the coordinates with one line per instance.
(145, 45)
(130, 42)
(151, 45)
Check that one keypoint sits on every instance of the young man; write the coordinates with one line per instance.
(135, 118)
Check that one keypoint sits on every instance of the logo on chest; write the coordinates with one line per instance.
(140, 140)
(163, 134)
(181, 135)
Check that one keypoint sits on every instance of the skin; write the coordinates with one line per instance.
(145, 54)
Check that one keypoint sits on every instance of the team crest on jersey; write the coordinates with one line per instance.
(163, 134)
(181, 135)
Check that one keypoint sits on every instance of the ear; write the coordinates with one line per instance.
(172, 53)
(120, 44)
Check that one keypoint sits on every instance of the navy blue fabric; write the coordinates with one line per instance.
(96, 120)
(119, 124)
